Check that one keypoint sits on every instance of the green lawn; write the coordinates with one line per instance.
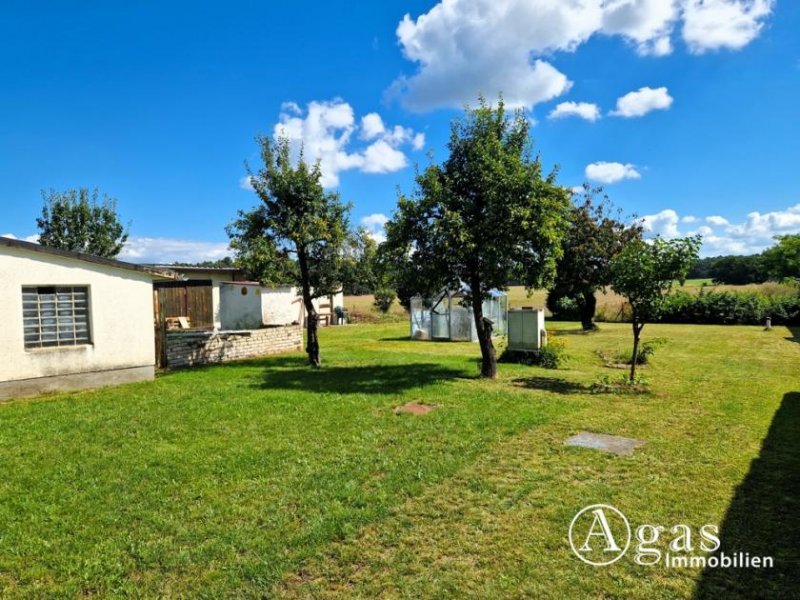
(264, 478)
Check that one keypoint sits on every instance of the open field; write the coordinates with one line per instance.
(264, 478)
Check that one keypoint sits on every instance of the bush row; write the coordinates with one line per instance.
(731, 308)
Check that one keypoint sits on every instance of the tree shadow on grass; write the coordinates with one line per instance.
(795, 331)
(577, 331)
(366, 379)
(552, 384)
(763, 518)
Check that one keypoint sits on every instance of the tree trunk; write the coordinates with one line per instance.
(484, 329)
(587, 310)
(312, 339)
(637, 330)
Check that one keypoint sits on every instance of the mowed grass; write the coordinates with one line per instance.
(265, 478)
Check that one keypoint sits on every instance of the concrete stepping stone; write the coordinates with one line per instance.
(605, 443)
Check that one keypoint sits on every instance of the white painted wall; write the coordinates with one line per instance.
(280, 305)
(120, 316)
(240, 306)
(277, 305)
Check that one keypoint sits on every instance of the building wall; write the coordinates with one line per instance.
(273, 305)
(120, 318)
(280, 305)
(185, 349)
(240, 306)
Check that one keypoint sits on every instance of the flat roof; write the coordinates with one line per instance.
(98, 260)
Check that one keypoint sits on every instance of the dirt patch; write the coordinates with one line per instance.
(415, 408)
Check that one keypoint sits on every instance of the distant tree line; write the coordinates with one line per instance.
(221, 263)
(776, 263)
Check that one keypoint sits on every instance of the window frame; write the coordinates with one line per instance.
(68, 317)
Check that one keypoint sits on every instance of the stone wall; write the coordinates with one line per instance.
(187, 348)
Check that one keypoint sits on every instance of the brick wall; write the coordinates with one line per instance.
(187, 348)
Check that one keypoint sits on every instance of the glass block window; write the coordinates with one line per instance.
(55, 316)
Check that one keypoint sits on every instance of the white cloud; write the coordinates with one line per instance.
(168, 250)
(611, 172)
(664, 223)
(721, 236)
(718, 24)
(688, 219)
(704, 230)
(245, 184)
(325, 133)
(647, 23)
(642, 101)
(460, 54)
(381, 157)
(584, 110)
(160, 250)
(767, 225)
(464, 47)
(34, 239)
(371, 126)
(419, 141)
(374, 224)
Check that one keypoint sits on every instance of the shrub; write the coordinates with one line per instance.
(646, 351)
(551, 356)
(384, 298)
(730, 308)
(563, 307)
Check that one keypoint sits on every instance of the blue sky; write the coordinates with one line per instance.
(685, 110)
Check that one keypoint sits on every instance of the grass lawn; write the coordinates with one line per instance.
(264, 478)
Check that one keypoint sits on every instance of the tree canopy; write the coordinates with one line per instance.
(81, 221)
(297, 234)
(360, 269)
(782, 261)
(484, 216)
(596, 234)
(645, 272)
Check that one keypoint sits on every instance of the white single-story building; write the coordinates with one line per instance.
(237, 303)
(72, 321)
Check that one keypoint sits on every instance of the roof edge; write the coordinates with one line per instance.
(98, 260)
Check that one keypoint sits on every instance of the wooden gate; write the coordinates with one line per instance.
(160, 330)
(187, 301)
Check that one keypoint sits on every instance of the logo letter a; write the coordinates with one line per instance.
(605, 532)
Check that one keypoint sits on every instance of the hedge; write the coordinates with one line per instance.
(730, 308)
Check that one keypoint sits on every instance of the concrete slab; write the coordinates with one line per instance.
(605, 443)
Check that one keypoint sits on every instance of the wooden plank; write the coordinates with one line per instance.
(200, 307)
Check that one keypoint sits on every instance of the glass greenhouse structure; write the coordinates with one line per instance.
(443, 317)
